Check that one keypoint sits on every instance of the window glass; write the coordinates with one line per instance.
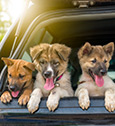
(41, 36)
(26, 57)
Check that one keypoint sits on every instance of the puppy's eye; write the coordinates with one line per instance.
(105, 61)
(42, 62)
(10, 75)
(21, 76)
(56, 64)
(94, 61)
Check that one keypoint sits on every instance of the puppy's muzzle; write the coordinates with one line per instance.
(100, 69)
(103, 72)
(13, 87)
(48, 74)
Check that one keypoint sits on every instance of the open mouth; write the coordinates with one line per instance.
(49, 84)
(98, 79)
(15, 93)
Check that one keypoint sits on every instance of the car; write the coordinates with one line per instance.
(71, 22)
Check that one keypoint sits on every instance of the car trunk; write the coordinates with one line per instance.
(73, 27)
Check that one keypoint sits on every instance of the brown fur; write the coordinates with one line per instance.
(87, 55)
(15, 69)
(98, 52)
(47, 52)
(50, 53)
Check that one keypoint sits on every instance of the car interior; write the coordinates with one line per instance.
(74, 34)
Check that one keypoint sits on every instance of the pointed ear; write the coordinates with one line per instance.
(85, 50)
(7, 61)
(109, 48)
(29, 66)
(62, 51)
(35, 52)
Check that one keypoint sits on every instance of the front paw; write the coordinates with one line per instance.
(110, 103)
(23, 100)
(6, 97)
(84, 102)
(33, 104)
(52, 104)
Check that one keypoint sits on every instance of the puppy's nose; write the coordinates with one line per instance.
(12, 88)
(48, 74)
(103, 72)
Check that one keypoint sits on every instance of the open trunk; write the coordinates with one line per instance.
(72, 27)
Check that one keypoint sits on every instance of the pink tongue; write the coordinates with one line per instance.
(99, 81)
(49, 84)
(15, 94)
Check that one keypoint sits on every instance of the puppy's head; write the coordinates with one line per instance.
(19, 75)
(51, 61)
(94, 60)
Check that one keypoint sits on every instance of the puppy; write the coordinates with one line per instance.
(53, 79)
(94, 81)
(19, 79)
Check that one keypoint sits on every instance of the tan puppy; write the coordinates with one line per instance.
(19, 79)
(53, 79)
(94, 61)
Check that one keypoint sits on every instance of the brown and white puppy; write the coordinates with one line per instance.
(53, 79)
(94, 61)
(19, 80)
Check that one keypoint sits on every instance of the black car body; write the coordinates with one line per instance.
(59, 21)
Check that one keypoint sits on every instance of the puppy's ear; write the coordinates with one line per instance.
(7, 61)
(84, 50)
(35, 52)
(62, 51)
(29, 66)
(109, 48)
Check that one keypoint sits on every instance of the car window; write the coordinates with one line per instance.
(111, 71)
(47, 38)
(26, 57)
(41, 36)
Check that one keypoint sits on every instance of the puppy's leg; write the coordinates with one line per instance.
(34, 101)
(110, 100)
(6, 97)
(83, 97)
(24, 98)
(54, 97)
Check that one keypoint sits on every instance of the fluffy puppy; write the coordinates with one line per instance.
(94, 61)
(19, 80)
(53, 79)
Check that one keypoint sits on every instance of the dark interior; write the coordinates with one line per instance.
(75, 34)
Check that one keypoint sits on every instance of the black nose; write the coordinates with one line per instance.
(48, 74)
(12, 88)
(103, 72)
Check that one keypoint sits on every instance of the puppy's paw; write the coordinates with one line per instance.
(6, 97)
(23, 100)
(33, 104)
(110, 103)
(84, 102)
(52, 104)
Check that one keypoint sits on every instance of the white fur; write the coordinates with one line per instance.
(94, 90)
(49, 68)
(33, 103)
(54, 95)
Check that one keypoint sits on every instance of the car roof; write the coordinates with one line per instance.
(54, 4)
